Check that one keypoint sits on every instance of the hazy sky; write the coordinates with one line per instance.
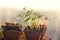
(34, 4)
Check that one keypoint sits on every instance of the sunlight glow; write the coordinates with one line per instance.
(33, 4)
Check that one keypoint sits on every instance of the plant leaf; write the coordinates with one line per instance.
(19, 15)
(34, 18)
(27, 19)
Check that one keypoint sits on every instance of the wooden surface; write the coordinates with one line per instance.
(1, 35)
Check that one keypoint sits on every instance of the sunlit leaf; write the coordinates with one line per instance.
(33, 18)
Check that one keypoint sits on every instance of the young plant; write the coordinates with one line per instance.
(30, 17)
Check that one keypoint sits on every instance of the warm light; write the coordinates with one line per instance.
(15, 22)
(37, 21)
(33, 4)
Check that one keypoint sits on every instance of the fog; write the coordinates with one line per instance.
(53, 23)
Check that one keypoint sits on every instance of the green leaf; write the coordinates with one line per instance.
(46, 18)
(19, 15)
(38, 16)
(26, 15)
(24, 8)
(35, 13)
(27, 19)
(34, 18)
(27, 11)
